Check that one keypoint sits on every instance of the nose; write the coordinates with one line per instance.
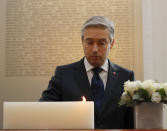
(95, 47)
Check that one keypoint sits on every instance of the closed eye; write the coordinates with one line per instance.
(90, 42)
(102, 42)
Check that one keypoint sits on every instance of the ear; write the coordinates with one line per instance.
(82, 43)
(112, 43)
(82, 39)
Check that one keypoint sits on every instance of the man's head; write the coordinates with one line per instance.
(97, 39)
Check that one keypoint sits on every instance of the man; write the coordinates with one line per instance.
(94, 77)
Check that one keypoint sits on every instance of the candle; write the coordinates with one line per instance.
(49, 115)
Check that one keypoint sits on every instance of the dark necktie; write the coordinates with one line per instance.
(97, 87)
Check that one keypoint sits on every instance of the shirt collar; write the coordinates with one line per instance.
(89, 67)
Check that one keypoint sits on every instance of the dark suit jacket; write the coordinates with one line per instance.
(70, 83)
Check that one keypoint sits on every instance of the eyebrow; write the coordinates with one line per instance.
(103, 39)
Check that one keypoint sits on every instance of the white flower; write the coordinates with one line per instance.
(157, 86)
(142, 90)
(125, 98)
(156, 97)
(149, 86)
(132, 86)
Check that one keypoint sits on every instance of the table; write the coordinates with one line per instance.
(95, 130)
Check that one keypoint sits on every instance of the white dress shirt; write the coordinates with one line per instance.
(103, 74)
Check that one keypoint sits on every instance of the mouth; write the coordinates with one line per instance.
(95, 57)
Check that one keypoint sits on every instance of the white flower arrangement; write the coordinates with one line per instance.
(136, 92)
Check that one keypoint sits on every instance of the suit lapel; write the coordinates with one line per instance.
(110, 91)
(82, 80)
(111, 85)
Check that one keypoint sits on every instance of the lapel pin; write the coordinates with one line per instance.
(114, 73)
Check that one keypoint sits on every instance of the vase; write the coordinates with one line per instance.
(149, 116)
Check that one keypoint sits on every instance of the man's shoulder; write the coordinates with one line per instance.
(119, 68)
(123, 72)
(123, 68)
(71, 65)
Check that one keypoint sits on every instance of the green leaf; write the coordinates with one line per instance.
(162, 92)
(130, 104)
(137, 97)
(141, 95)
(122, 102)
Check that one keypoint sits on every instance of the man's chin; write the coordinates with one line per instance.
(95, 63)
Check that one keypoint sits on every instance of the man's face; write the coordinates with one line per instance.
(96, 45)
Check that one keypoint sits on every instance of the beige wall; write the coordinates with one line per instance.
(36, 37)
(155, 42)
(15, 88)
